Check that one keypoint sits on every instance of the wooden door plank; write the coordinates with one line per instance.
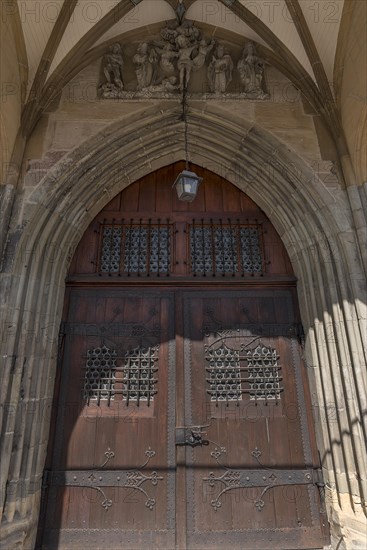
(181, 492)
(213, 194)
(164, 191)
(231, 198)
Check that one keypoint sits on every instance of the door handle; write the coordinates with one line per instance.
(190, 437)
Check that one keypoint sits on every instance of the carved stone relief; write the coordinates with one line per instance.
(220, 70)
(181, 56)
(112, 64)
(251, 70)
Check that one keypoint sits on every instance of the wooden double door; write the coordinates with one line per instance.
(183, 421)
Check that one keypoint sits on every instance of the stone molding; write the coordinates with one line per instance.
(316, 227)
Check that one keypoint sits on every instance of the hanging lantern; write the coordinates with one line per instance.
(187, 185)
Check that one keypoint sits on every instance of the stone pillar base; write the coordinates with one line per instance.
(348, 527)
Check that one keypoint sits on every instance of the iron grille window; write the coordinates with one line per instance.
(232, 373)
(136, 248)
(225, 248)
(224, 374)
(135, 380)
(263, 373)
(147, 250)
(216, 248)
(139, 371)
(111, 247)
(100, 374)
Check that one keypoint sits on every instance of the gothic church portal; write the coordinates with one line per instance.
(174, 374)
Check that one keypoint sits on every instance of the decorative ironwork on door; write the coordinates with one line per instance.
(224, 374)
(136, 248)
(133, 377)
(264, 478)
(225, 248)
(96, 479)
(100, 374)
(138, 375)
(253, 371)
(213, 247)
(263, 373)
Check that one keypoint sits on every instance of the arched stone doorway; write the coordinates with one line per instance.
(183, 415)
(318, 236)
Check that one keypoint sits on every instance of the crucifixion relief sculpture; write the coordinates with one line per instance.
(165, 64)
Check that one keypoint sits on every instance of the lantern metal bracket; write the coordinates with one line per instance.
(187, 182)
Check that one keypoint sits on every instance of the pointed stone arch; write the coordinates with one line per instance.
(313, 224)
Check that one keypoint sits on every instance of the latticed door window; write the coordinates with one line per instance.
(250, 250)
(139, 380)
(132, 377)
(147, 250)
(224, 374)
(111, 250)
(212, 248)
(100, 374)
(219, 248)
(232, 373)
(263, 373)
(136, 249)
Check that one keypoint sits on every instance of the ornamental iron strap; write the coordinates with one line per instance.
(98, 478)
(265, 477)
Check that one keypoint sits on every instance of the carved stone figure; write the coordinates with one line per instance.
(251, 70)
(185, 59)
(112, 66)
(204, 49)
(169, 32)
(188, 29)
(186, 43)
(220, 70)
(167, 56)
(145, 61)
(173, 29)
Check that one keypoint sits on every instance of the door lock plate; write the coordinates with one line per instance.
(190, 437)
